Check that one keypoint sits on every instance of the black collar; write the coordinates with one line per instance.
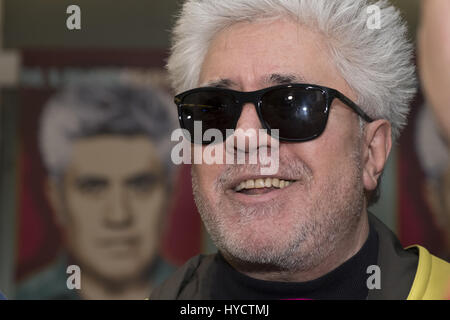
(348, 281)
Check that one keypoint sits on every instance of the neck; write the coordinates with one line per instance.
(346, 249)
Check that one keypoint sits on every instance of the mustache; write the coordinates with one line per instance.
(289, 169)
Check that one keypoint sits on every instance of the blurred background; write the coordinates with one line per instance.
(55, 188)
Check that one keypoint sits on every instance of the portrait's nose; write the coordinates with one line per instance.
(118, 213)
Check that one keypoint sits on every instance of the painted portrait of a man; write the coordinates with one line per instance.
(107, 155)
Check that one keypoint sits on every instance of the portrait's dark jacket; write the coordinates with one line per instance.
(411, 273)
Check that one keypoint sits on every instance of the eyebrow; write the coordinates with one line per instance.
(276, 78)
(143, 176)
(221, 83)
(273, 79)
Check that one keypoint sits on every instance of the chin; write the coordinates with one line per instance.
(114, 269)
(256, 241)
(120, 272)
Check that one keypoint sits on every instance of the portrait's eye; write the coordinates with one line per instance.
(142, 183)
(91, 185)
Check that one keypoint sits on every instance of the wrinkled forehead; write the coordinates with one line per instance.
(253, 55)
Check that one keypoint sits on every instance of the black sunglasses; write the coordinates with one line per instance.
(299, 111)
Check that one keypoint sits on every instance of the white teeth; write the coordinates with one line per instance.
(263, 183)
(276, 182)
(259, 184)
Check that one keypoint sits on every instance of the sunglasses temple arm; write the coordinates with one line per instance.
(354, 106)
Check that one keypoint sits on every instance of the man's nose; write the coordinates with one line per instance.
(249, 118)
(118, 213)
(249, 129)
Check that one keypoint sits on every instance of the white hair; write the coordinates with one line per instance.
(376, 63)
(85, 110)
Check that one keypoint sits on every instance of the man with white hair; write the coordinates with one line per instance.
(334, 92)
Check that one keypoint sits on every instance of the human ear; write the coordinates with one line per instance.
(377, 146)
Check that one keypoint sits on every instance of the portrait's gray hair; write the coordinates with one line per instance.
(87, 110)
(376, 63)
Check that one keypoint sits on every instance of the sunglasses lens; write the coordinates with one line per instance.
(215, 110)
(298, 113)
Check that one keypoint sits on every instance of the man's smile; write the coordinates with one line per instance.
(258, 189)
(262, 185)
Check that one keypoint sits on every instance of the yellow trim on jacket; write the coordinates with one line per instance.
(432, 280)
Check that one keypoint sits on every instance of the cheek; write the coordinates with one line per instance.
(205, 177)
(148, 209)
(82, 214)
(320, 155)
(148, 218)
(329, 155)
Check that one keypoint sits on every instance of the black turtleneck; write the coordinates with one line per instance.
(348, 281)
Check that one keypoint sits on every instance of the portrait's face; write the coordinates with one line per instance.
(293, 227)
(113, 201)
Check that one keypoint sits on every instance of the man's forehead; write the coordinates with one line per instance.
(260, 53)
(237, 60)
(113, 155)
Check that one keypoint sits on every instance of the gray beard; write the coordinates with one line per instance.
(329, 218)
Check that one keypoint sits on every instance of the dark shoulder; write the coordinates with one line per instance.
(398, 266)
(184, 282)
(48, 284)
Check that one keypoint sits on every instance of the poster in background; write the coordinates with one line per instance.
(41, 243)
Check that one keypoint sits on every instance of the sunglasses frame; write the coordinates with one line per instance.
(255, 97)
